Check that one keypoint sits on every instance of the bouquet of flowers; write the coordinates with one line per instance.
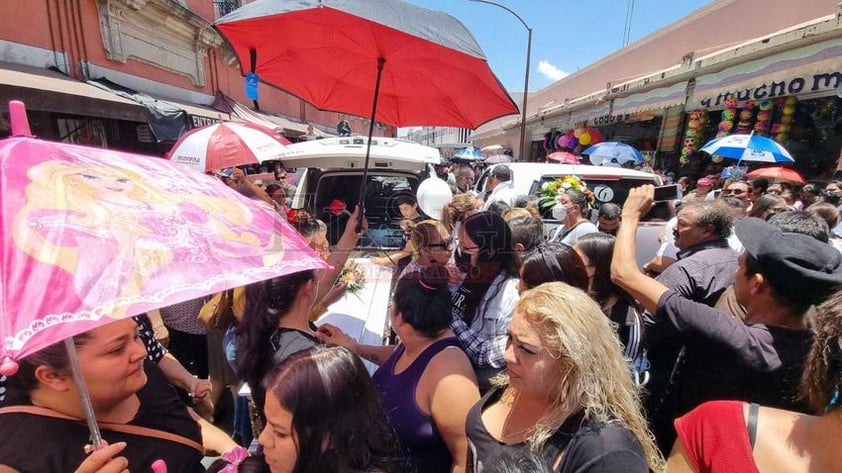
(352, 277)
(549, 192)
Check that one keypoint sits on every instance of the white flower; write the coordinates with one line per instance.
(566, 185)
(546, 185)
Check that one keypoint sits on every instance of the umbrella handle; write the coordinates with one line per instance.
(84, 395)
(380, 62)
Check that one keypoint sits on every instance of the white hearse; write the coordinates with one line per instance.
(609, 184)
(333, 169)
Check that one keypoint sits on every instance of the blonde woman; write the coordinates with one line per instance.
(567, 398)
(431, 245)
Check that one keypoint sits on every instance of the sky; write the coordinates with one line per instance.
(566, 35)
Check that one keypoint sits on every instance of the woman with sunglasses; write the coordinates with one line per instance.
(431, 245)
(484, 302)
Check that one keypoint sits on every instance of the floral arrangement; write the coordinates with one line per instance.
(338, 207)
(549, 192)
(352, 277)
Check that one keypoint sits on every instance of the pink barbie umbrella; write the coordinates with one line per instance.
(91, 235)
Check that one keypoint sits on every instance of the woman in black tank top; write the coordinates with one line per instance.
(567, 397)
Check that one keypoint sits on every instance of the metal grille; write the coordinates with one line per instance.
(224, 7)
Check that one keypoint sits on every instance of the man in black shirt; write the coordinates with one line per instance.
(779, 276)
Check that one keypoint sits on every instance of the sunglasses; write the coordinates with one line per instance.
(734, 191)
(446, 244)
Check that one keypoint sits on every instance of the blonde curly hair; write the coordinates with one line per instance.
(598, 380)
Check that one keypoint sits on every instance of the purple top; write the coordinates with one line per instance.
(415, 429)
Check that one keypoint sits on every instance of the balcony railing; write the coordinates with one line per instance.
(224, 7)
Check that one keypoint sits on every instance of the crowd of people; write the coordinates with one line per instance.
(517, 350)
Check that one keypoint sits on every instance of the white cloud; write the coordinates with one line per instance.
(550, 71)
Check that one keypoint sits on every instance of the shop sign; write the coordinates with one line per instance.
(806, 84)
(199, 122)
(615, 118)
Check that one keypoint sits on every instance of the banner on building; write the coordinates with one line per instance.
(809, 70)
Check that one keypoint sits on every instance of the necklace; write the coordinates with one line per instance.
(517, 434)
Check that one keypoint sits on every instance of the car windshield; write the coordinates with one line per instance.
(382, 193)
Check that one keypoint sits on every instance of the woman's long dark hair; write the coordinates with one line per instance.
(423, 300)
(599, 248)
(266, 303)
(336, 413)
(553, 261)
(496, 255)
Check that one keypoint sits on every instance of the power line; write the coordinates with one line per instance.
(627, 29)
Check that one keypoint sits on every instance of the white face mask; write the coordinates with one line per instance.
(559, 212)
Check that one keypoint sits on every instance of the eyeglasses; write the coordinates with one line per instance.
(281, 178)
(734, 191)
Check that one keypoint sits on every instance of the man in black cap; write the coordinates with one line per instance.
(780, 275)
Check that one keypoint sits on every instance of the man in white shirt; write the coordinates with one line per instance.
(500, 187)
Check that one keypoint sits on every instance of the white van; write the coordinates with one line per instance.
(333, 169)
(608, 184)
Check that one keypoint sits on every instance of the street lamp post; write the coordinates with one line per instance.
(526, 75)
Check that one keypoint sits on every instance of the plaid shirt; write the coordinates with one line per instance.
(485, 339)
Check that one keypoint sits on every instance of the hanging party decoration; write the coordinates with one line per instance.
(746, 117)
(781, 130)
(726, 123)
(693, 135)
(764, 116)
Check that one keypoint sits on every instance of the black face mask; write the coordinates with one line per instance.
(462, 260)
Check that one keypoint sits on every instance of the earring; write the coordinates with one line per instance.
(834, 400)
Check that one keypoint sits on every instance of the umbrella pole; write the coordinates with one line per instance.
(84, 396)
(380, 62)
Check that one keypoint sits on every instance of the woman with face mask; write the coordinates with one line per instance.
(572, 210)
(484, 302)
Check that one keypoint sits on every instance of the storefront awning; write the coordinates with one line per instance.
(51, 91)
(809, 70)
(199, 115)
(280, 124)
(599, 109)
(655, 100)
(166, 121)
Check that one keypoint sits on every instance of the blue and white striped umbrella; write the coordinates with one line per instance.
(753, 148)
(612, 153)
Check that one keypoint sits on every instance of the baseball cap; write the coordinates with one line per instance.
(798, 265)
(704, 182)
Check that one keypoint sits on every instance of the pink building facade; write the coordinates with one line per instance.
(749, 51)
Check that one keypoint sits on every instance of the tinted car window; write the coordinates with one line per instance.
(380, 203)
(604, 190)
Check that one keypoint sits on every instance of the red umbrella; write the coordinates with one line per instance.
(778, 173)
(226, 144)
(564, 157)
(389, 60)
(422, 67)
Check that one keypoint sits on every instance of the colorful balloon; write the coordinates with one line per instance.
(585, 139)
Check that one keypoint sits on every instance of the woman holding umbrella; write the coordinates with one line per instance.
(131, 400)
